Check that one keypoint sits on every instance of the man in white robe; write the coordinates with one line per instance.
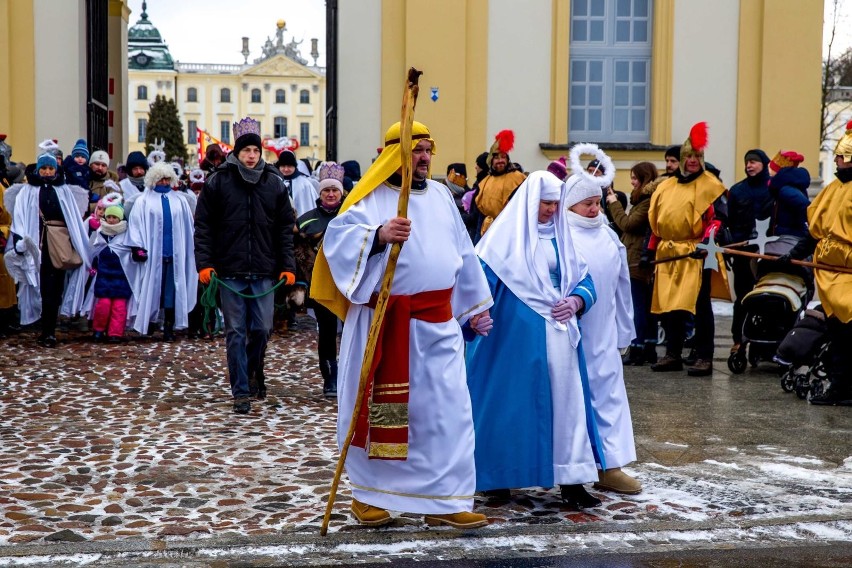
(431, 471)
(165, 246)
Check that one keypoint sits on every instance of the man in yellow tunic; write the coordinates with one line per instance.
(681, 216)
(502, 179)
(830, 224)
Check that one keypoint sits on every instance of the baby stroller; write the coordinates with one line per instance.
(802, 352)
(772, 308)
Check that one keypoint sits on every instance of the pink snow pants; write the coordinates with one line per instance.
(112, 313)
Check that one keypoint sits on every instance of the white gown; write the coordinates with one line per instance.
(305, 194)
(438, 477)
(607, 328)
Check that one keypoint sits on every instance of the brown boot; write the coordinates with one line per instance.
(370, 516)
(701, 368)
(616, 480)
(667, 363)
(463, 520)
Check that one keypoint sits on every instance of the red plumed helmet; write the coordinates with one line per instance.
(505, 142)
(698, 136)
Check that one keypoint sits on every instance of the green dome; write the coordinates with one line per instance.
(145, 46)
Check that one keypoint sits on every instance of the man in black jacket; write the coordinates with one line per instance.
(244, 235)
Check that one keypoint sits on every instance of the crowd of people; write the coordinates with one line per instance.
(553, 277)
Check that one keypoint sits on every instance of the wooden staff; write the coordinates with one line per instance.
(689, 254)
(828, 267)
(409, 101)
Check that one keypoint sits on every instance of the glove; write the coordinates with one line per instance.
(698, 253)
(94, 198)
(483, 325)
(92, 271)
(20, 246)
(94, 223)
(785, 258)
(566, 308)
(288, 277)
(205, 275)
(138, 254)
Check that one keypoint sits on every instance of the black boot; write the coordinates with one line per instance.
(635, 356)
(328, 368)
(260, 382)
(650, 352)
(576, 496)
(169, 326)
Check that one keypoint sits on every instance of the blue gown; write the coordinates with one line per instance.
(511, 394)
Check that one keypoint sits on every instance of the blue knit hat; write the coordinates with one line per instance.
(81, 149)
(45, 160)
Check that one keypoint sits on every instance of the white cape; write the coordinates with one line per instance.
(607, 328)
(145, 230)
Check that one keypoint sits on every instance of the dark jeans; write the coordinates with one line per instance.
(839, 356)
(743, 284)
(644, 322)
(705, 327)
(248, 324)
(52, 286)
(327, 333)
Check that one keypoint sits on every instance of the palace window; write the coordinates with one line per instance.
(610, 70)
(142, 93)
(280, 96)
(304, 96)
(279, 127)
(255, 95)
(225, 95)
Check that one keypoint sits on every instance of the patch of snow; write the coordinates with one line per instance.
(721, 464)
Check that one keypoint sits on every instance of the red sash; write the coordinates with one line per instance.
(383, 417)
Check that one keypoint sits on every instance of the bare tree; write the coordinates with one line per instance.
(836, 74)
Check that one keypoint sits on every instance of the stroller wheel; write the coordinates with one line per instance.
(788, 381)
(802, 390)
(737, 362)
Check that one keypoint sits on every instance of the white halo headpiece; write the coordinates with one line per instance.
(606, 164)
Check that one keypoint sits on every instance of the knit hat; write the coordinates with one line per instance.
(80, 149)
(247, 133)
(844, 145)
(136, 159)
(285, 158)
(351, 169)
(694, 145)
(789, 159)
(159, 171)
(116, 210)
(504, 143)
(45, 160)
(673, 151)
(99, 157)
(331, 175)
(583, 185)
(559, 167)
(595, 165)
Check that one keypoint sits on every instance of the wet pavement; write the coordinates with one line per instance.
(130, 455)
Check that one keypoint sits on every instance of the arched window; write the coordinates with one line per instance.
(280, 126)
(142, 93)
(280, 96)
(192, 95)
(255, 95)
(225, 95)
(304, 96)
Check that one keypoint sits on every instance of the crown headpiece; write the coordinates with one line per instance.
(247, 125)
(331, 170)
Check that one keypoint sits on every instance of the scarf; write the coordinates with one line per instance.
(139, 182)
(844, 175)
(585, 222)
(249, 175)
(113, 230)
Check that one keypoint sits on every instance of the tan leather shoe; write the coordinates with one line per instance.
(370, 516)
(463, 520)
(616, 480)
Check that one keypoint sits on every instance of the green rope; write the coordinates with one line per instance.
(208, 301)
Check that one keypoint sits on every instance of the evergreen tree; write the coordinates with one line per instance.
(164, 124)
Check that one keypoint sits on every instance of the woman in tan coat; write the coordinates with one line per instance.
(635, 230)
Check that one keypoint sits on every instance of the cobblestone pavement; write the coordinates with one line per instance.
(138, 442)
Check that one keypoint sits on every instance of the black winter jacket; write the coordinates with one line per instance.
(242, 229)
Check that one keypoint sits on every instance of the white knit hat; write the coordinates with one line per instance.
(99, 157)
(583, 185)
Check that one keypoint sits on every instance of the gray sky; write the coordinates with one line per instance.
(210, 31)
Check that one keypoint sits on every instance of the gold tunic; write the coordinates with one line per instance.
(675, 217)
(830, 222)
(7, 285)
(494, 192)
